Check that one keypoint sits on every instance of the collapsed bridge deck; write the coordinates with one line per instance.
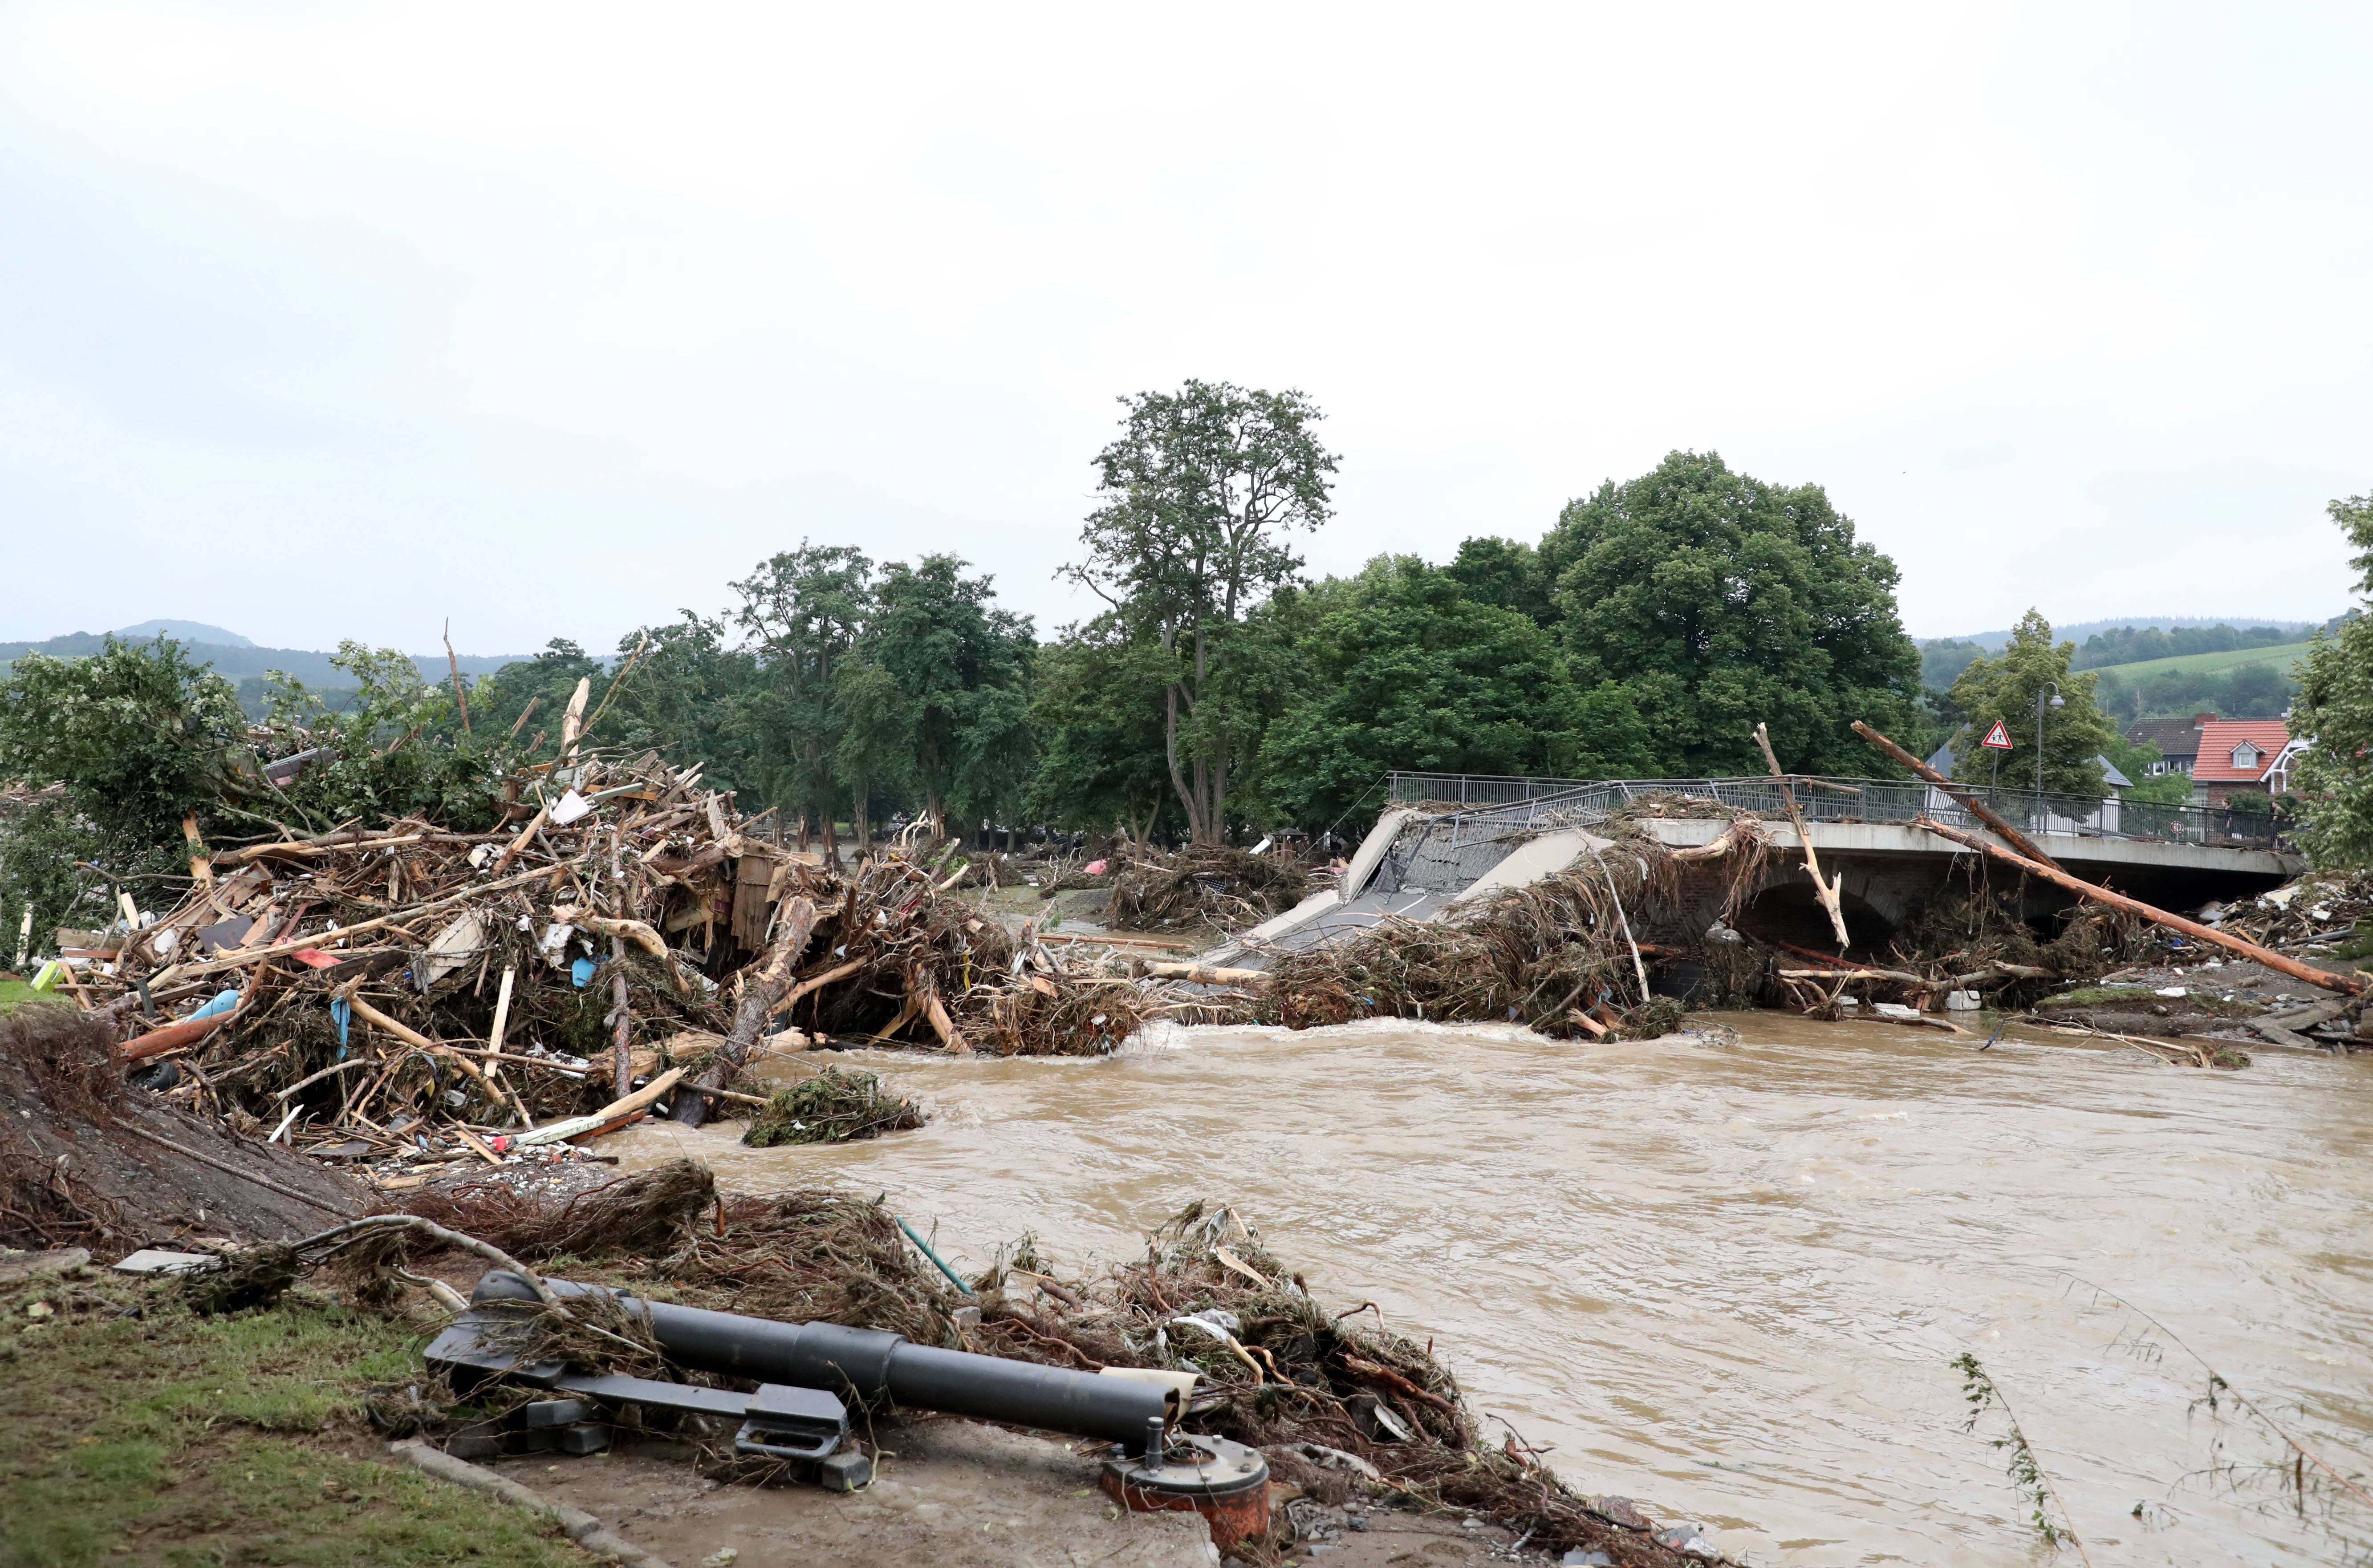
(1453, 839)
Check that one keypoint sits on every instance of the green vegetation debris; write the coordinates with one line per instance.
(836, 1105)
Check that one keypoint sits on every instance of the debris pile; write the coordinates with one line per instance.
(402, 992)
(1202, 888)
(1559, 955)
(834, 1107)
(2317, 916)
(1338, 1406)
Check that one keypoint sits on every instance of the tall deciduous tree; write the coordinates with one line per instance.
(962, 666)
(2005, 689)
(1718, 602)
(1201, 495)
(2334, 778)
(803, 609)
(1405, 671)
(139, 735)
(1096, 706)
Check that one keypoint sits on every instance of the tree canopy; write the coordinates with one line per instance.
(1200, 497)
(2334, 777)
(2006, 689)
(1718, 602)
(1407, 671)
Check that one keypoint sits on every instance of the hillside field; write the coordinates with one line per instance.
(2282, 655)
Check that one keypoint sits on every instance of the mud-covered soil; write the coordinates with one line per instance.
(2217, 999)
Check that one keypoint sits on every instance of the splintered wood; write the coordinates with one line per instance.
(413, 991)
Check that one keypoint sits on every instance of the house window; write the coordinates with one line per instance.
(2245, 756)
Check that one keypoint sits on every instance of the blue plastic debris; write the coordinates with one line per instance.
(341, 1012)
(581, 971)
(222, 1002)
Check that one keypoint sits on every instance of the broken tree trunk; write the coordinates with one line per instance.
(2347, 984)
(750, 1021)
(1206, 975)
(1965, 794)
(1827, 891)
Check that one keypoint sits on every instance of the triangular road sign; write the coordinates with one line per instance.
(1998, 737)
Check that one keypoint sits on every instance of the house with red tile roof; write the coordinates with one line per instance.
(2235, 757)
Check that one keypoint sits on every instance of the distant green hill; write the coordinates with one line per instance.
(2282, 655)
(235, 662)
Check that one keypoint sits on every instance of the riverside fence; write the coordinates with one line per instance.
(1837, 799)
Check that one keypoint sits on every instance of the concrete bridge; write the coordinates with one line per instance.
(1442, 847)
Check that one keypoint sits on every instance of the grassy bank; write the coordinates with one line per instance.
(141, 1432)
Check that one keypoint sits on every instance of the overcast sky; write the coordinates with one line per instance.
(322, 320)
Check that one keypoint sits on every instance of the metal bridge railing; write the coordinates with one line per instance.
(1507, 802)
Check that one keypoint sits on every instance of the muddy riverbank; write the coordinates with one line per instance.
(1728, 1279)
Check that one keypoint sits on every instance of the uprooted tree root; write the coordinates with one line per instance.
(1331, 1398)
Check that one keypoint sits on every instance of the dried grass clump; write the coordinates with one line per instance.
(834, 1107)
(648, 1212)
(70, 1058)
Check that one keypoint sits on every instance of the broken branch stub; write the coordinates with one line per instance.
(1825, 890)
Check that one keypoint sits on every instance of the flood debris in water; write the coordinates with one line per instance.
(1343, 1409)
(834, 1107)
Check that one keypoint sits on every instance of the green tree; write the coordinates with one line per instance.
(526, 699)
(2333, 780)
(1717, 602)
(684, 698)
(139, 735)
(1201, 493)
(1408, 672)
(962, 668)
(804, 610)
(871, 713)
(2006, 689)
(394, 748)
(1506, 574)
(1096, 706)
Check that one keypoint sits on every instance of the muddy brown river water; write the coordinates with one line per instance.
(1728, 1279)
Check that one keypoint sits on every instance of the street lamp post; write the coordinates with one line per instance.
(2057, 702)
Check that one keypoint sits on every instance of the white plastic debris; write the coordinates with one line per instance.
(2173, 990)
(157, 1261)
(1963, 1002)
(569, 807)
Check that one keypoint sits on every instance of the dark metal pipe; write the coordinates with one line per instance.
(869, 1367)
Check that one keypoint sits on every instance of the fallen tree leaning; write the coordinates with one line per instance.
(1965, 794)
(2346, 984)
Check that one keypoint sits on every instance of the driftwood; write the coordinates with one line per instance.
(1206, 974)
(1827, 891)
(618, 1113)
(1965, 794)
(797, 923)
(2349, 985)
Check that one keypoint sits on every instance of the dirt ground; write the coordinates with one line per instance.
(958, 1495)
(2216, 1000)
(87, 1160)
